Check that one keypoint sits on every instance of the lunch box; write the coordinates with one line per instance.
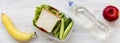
(67, 28)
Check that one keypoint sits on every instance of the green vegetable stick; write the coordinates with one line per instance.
(67, 22)
(61, 29)
(57, 28)
(57, 34)
(67, 30)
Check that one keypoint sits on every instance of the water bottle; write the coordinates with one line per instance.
(86, 20)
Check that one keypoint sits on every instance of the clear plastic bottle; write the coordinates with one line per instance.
(89, 22)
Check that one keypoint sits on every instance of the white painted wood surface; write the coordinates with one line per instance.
(21, 13)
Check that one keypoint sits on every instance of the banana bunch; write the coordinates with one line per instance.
(18, 35)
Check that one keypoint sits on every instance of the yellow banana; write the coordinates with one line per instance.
(18, 35)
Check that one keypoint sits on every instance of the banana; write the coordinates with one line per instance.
(18, 35)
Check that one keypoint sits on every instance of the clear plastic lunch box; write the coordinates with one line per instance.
(52, 36)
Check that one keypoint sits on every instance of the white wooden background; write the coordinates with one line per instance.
(21, 13)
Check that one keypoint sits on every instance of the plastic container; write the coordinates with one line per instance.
(89, 22)
(52, 34)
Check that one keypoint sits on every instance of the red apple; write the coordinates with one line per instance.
(110, 13)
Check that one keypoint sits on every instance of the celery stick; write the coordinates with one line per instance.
(57, 34)
(61, 29)
(57, 28)
(67, 30)
(67, 22)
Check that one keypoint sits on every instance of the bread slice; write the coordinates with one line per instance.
(47, 20)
